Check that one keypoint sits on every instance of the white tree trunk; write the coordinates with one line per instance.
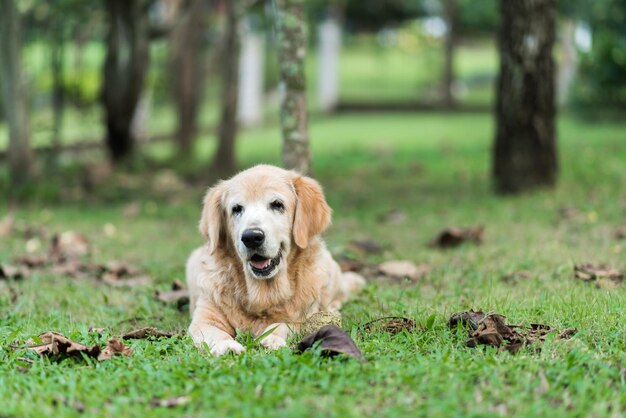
(250, 109)
(328, 62)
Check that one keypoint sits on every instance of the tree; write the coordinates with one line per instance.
(525, 152)
(224, 161)
(125, 70)
(14, 95)
(450, 15)
(187, 70)
(293, 111)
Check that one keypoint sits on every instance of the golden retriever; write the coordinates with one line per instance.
(264, 266)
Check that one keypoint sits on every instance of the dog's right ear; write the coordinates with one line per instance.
(212, 220)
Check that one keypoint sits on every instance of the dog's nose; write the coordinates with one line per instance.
(253, 238)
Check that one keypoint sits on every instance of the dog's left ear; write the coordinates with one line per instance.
(312, 215)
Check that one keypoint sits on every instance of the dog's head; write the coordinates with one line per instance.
(261, 213)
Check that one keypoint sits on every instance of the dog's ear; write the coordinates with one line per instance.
(212, 220)
(312, 212)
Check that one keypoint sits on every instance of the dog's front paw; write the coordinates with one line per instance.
(273, 342)
(222, 347)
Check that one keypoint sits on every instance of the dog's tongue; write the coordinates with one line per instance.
(262, 264)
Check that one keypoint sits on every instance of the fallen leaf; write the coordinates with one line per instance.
(453, 237)
(146, 332)
(6, 225)
(319, 320)
(115, 281)
(170, 402)
(471, 319)
(602, 275)
(68, 245)
(8, 271)
(391, 324)
(401, 269)
(366, 247)
(516, 275)
(491, 329)
(114, 347)
(177, 294)
(53, 343)
(332, 340)
(32, 261)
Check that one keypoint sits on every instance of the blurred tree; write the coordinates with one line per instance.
(477, 18)
(125, 70)
(601, 82)
(290, 25)
(187, 69)
(525, 154)
(450, 16)
(14, 95)
(224, 161)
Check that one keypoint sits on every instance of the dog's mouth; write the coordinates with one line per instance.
(263, 266)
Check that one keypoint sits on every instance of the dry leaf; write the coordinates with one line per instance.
(68, 245)
(32, 261)
(366, 247)
(113, 347)
(401, 269)
(470, 318)
(177, 294)
(54, 343)
(146, 332)
(516, 275)
(453, 237)
(602, 275)
(391, 324)
(115, 281)
(332, 340)
(8, 271)
(170, 402)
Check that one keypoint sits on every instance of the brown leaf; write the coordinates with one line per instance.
(115, 281)
(319, 320)
(516, 275)
(6, 225)
(178, 295)
(121, 274)
(68, 245)
(469, 318)
(492, 331)
(54, 343)
(391, 324)
(453, 237)
(568, 333)
(602, 275)
(114, 347)
(332, 340)
(146, 332)
(366, 247)
(170, 402)
(32, 261)
(401, 269)
(8, 271)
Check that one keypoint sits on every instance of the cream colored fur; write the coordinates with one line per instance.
(225, 293)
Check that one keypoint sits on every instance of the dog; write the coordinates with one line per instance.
(264, 267)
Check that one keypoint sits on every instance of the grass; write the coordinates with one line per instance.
(435, 168)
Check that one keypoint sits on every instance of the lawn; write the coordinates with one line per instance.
(434, 169)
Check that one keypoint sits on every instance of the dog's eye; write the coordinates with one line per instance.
(237, 209)
(277, 205)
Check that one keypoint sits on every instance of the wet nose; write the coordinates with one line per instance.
(253, 238)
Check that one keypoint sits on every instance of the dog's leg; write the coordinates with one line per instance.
(203, 331)
(277, 338)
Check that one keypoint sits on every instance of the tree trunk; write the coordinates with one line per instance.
(525, 152)
(224, 162)
(450, 12)
(293, 112)
(58, 96)
(14, 95)
(125, 70)
(187, 71)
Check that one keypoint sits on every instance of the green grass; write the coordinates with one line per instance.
(433, 167)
